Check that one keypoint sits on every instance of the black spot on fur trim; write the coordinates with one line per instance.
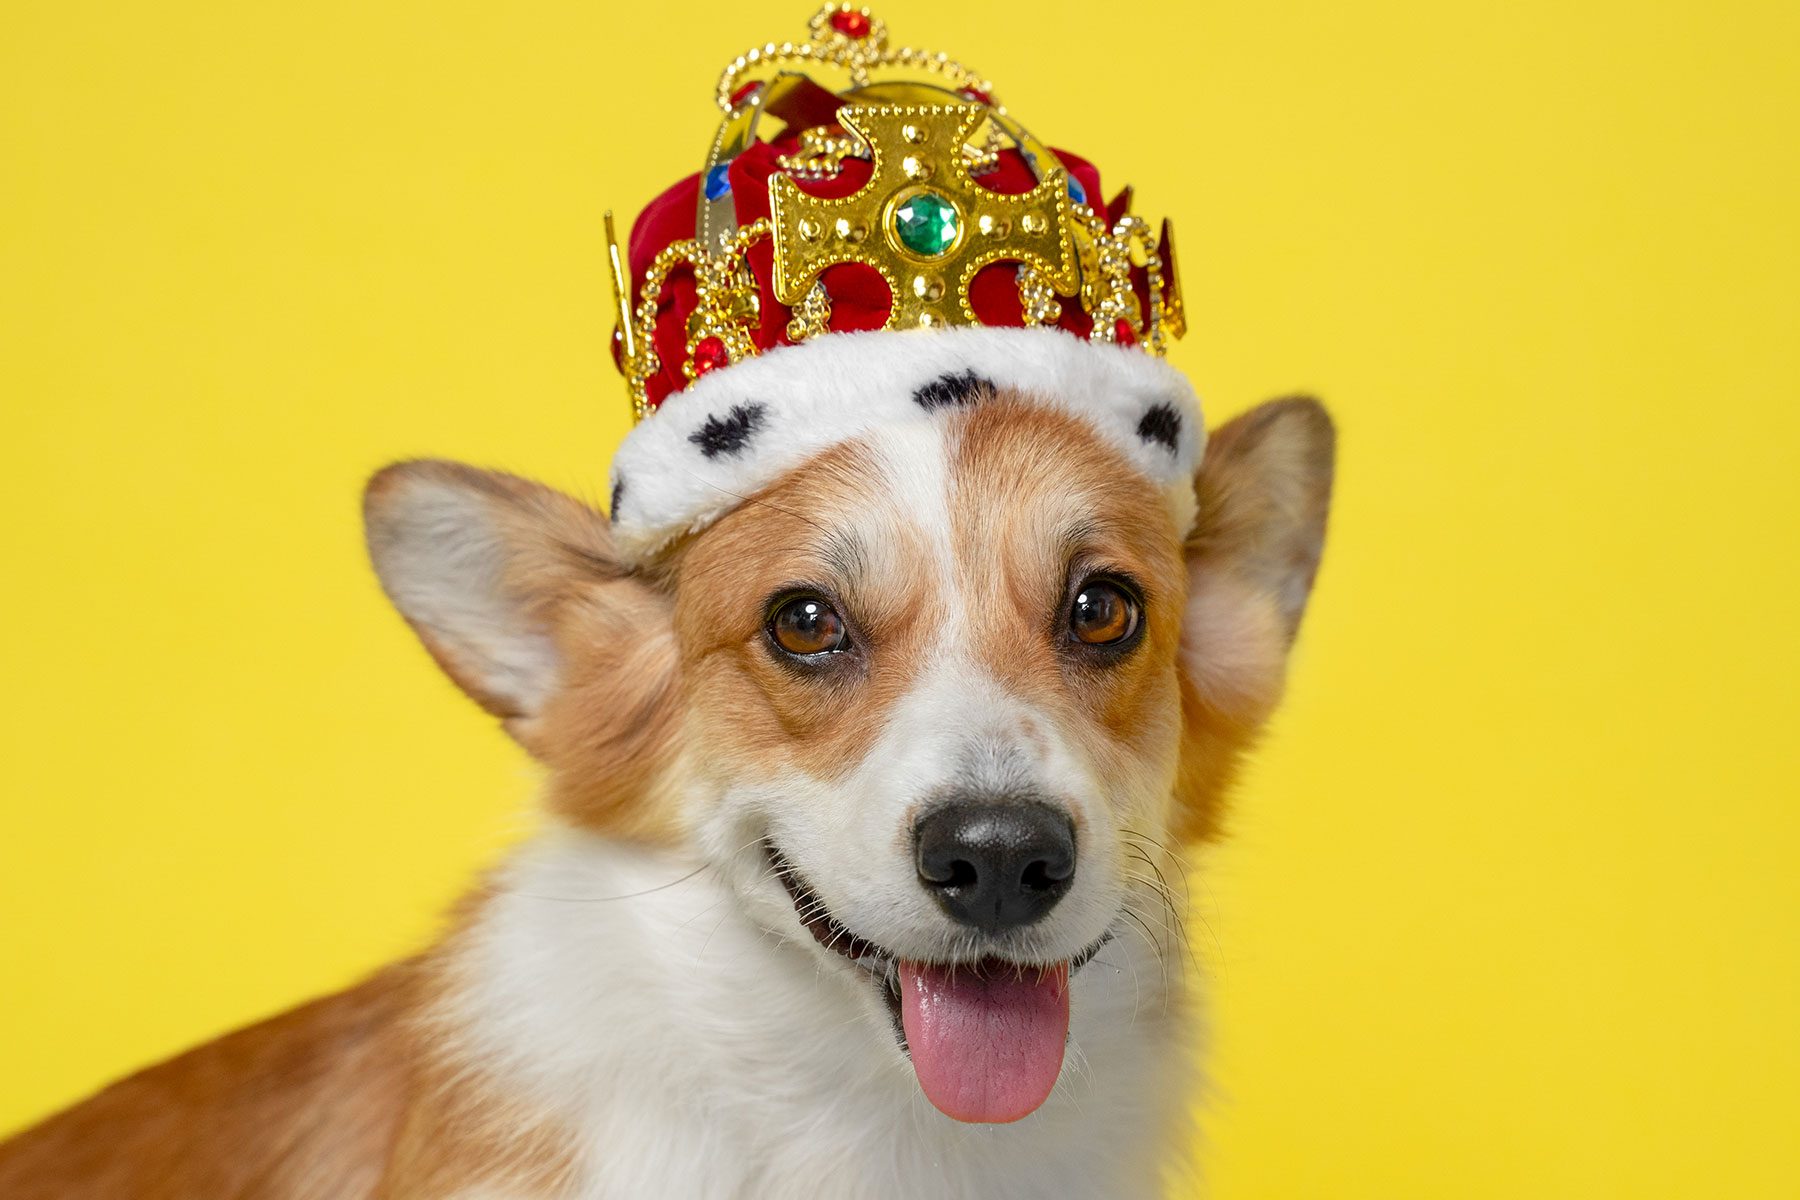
(946, 390)
(1161, 424)
(730, 433)
(618, 494)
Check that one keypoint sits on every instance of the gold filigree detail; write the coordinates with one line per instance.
(985, 158)
(1108, 257)
(821, 153)
(1037, 299)
(812, 317)
(916, 152)
(727, 306)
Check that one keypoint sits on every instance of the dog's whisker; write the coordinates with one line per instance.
(1142, 855)
(1155, 886)
(1143, 931)
(1164, 900)
(1156, 889)
(510, 891)
(649, 891)
(1178, 913)
(1183, 869)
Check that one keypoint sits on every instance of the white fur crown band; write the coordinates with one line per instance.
(732, 433)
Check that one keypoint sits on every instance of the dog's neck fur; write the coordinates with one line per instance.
(686, 1052)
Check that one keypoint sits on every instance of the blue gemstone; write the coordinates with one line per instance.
(1077, 193)
(718, 181)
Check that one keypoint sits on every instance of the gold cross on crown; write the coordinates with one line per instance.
(921, 221)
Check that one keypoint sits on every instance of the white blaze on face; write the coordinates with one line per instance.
(956, 730)
(986, 1047)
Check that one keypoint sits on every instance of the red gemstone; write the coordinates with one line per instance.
(978, 96)
(744, 90)
(709, 355)
(850, 23)
(1122, 333)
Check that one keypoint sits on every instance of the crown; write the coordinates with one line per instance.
(909, 199)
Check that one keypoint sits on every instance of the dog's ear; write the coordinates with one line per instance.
(472, 560)
(1264, 488)
(518, 594)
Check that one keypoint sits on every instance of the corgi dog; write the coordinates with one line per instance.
(866, 813)
(879, 713)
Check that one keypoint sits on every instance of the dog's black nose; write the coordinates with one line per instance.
(996, 866)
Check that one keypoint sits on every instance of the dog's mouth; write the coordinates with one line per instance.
(985, 1037)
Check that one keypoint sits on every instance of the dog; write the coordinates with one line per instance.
(862, 804)
(917, 647)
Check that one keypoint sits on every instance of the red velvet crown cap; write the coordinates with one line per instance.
(859, 296)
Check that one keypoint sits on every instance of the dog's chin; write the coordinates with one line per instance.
(984, 1033)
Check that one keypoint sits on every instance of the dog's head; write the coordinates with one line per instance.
(943, 695)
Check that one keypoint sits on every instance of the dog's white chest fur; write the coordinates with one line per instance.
(699, 1056)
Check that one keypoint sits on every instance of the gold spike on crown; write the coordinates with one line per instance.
(923, 221)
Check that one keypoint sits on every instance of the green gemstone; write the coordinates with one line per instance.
(927, 224)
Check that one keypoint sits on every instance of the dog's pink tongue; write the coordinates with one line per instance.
(987, 1046)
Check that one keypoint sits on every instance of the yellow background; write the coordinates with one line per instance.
(1510, 906)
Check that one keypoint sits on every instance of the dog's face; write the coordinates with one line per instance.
(944, 697)
(935, 672)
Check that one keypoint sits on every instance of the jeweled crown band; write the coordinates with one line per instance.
(895, 204)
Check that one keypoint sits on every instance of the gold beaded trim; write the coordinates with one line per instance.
(812, 316)
(821, 154)
(1115, 252)
(727, 307)
(856, 54)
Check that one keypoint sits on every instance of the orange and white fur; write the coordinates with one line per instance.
(635, 1004)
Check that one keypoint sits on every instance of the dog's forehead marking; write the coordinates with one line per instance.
(912, 467)
(1004, 493)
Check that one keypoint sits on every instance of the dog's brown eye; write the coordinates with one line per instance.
(1104, 614)
(807, 625)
